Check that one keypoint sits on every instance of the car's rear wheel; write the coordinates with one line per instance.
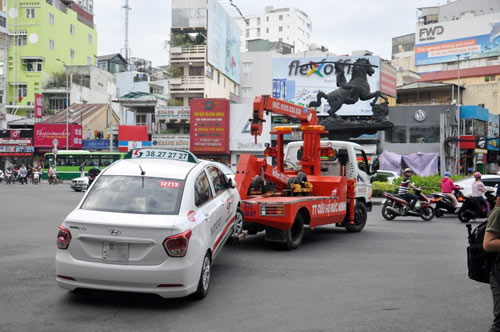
(204, 282)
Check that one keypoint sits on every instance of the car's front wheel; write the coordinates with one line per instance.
(204, 282)
(238, 223)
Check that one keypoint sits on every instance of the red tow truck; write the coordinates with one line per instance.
(281, 201)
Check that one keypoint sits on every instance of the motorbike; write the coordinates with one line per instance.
(1, 176)
(472, 209)
(8, 176)
(36, 177)
(396, 206)
(444, 204)
(53, 179)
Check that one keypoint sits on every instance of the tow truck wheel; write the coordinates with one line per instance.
(360, 216)
(293, 236)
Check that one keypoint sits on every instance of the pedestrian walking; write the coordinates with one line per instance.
(82, 169)
(491, 243)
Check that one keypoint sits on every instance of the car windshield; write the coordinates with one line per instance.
(135, 194)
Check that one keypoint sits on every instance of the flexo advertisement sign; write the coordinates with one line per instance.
(471, 38)
(209, 132)
(300, 84)
(46, 133)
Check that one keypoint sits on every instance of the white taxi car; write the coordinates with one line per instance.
(150, 223)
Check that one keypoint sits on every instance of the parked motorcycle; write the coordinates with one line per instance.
(472, 209)
(396, 206)
(444, 204)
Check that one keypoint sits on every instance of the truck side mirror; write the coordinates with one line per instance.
(375, 165)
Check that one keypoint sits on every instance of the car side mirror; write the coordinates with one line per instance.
(230, 183)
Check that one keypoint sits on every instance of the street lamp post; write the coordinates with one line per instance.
(67, 103)
(458, 114)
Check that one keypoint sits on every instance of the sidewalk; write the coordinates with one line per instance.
(377, 200)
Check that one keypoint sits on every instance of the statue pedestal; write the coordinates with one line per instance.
(338, 129)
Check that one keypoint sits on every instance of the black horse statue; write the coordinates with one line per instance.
(349, 92)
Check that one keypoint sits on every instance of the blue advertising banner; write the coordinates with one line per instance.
(93, 144)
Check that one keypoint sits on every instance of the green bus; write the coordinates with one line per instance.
(68, 162)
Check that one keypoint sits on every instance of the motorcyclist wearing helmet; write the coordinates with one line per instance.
(447, 187)
(404, 188)
(478, 189)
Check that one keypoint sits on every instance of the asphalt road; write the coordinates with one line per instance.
(401, 275)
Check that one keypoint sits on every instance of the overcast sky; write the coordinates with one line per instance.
(342, 26)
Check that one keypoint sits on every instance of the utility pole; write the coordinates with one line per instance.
(126, 49)
(67, 103)
(458, 115)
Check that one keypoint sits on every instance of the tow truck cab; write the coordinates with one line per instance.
(356, 165)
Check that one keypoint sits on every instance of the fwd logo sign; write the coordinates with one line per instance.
(430, 33)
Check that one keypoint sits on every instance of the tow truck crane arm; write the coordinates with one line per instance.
(306, 116)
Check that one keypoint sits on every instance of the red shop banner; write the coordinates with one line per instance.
(46, 133)
(209, 122)
(38, 105)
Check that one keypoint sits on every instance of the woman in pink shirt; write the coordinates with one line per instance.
(478, 189)
(447, 187)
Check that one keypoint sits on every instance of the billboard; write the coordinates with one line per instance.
(223, 41)
(241, 140)
(471, 38)
(16, 143)
(493, 132)
(164, 112)
(209, 124)
(132, 137)
(38, 105)
(45, 134)
(173, 142)
(301, 84)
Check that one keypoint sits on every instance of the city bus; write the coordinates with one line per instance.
(68, 162)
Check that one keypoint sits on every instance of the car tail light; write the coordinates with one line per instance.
(177, 245)
(63, 238)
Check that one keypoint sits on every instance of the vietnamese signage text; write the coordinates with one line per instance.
(209, 124)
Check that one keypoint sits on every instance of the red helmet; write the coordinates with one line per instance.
(477, 175)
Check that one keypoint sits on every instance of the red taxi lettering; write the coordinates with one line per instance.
(169, 184)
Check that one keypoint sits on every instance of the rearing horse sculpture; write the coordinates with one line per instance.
(349, 92)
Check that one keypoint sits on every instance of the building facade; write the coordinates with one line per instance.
(4, 49)
(287, 25)
(47, 36)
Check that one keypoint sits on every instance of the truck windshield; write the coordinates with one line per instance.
(135, 194)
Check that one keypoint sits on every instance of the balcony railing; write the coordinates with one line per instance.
(187, 83)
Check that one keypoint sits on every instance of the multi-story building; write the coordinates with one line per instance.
(204, 53)
(288, 25)
(4, 48)
(47, 36)
(88, 5)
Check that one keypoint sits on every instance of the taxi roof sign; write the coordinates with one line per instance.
(162, 154)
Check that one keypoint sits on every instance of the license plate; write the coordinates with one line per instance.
(115, 252)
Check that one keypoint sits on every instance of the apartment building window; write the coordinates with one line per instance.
(71, 53)
(281, 17)
(218, 77)
(89, 61)
(1, 68)
(489, 78)
(30, 12)
(246, 92)
(224, 82)
(90, 39)
(56, 104)
(22, 90)
(72, 29)
(258, 32)
(248, 33)
(3, 22)
(1, 96)
(247, 67)
(140, 119)
(33, 65)
(51, 18)
(267, 18)
(280, 29)
(22, 40)
(195, 71)
(258, 20)
(52, 44)
(267, 30)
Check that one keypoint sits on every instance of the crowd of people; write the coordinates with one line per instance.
(23, 174)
